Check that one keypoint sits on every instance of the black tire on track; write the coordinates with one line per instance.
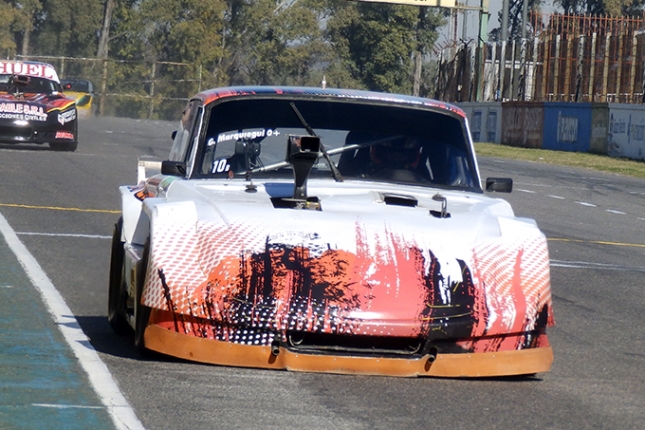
(59, 146)
(141, 312)
(117, 296)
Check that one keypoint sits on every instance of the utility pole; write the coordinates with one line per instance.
(102, 52)
(502, 57)
(481, 44)
(523, 53)
(418, 53)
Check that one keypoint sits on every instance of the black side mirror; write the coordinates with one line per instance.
(173, 168)
(499, 185)
(173, 134)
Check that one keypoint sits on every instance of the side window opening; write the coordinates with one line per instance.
(194, 144)
(181, 145)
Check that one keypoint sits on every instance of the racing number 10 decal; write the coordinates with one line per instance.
(220, 166)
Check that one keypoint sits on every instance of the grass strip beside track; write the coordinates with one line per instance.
(602, 163)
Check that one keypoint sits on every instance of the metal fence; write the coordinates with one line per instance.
(136, 89)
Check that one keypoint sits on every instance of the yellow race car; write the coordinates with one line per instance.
(82, 91)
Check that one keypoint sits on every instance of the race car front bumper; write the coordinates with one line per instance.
(59, 128)
(455, 365)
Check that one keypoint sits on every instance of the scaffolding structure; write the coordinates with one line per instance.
(573, 58)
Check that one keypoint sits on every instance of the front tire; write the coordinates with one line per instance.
(141, 312)
(64, 146)
(117, 296)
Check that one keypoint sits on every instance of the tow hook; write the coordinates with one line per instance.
(432, 354)
(275, 348)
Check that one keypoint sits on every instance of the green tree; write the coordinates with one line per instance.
(272, 43)
(7, 41)
(185, 30)
(26, 15)
(68, 28)
(515, 18)
(570, 7)
(376, 44)
(601, 7)
(162, 45)
(126, 35)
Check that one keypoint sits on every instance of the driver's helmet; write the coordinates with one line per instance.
(402, 153)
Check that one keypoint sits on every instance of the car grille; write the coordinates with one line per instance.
(15, 133)
(355, 345)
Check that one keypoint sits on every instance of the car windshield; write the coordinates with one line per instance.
(77, 86)
(364, 141)
(34, 85)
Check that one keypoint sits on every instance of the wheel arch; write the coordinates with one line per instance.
(136, 222)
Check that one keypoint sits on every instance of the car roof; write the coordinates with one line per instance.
(29, 68)
(211, 95)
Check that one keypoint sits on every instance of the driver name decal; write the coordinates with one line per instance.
(247, 135)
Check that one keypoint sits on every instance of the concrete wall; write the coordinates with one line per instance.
(599, 128)
(615, 129)
(523, 124)
(567, 127)
(485, 120)
(626, 135)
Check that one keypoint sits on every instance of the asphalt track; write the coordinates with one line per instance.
(61, 208)
(40, 379)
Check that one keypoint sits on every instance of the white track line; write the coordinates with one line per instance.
(49, 405)
(590, 265)
(86, 236)
(100, 377)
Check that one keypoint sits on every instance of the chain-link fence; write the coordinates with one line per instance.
(134, 89)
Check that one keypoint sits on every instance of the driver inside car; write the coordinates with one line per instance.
(399, 160)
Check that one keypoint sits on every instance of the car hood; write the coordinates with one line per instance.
(376, 259)
(43, 102)
(413, 213)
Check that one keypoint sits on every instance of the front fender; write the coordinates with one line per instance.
(172, 229)
(135, 212)
(135, 222)
(168, 215)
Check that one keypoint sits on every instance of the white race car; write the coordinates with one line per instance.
(333, 231)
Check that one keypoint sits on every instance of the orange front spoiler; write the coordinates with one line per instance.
(489, 364)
